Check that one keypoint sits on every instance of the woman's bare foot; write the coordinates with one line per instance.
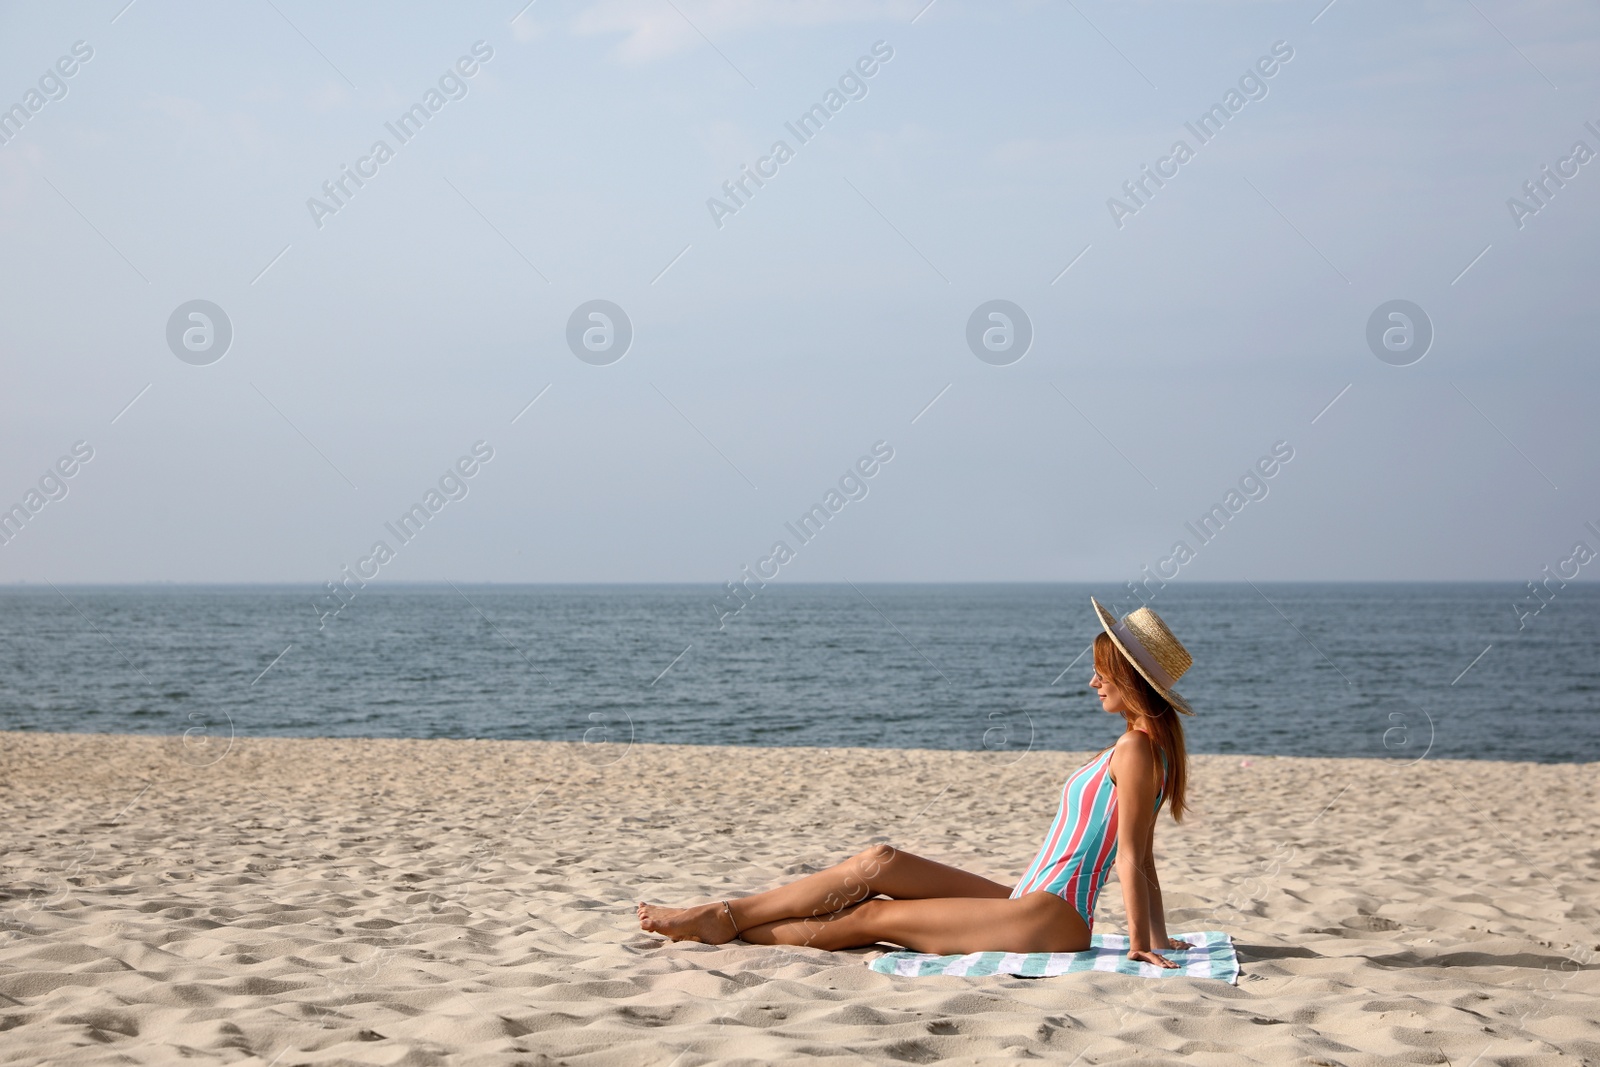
(706, 923)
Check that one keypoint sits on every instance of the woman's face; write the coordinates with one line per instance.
(1111, 700)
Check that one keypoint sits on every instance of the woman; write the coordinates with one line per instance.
(1107, 816)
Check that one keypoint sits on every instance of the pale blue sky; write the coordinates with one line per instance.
(823, 316)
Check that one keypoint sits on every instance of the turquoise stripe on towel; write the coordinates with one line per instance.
(1211, 957)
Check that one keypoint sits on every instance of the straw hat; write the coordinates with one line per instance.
(1145, 642)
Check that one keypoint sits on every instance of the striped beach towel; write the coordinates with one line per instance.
(1211, 957)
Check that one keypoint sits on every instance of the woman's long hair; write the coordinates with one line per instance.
(1160, 716)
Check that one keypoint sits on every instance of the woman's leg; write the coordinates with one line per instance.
(879, 869)
(1037, 922)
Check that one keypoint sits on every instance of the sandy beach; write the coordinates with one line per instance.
(286, 902)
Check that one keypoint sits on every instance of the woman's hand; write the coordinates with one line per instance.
(1144, 956)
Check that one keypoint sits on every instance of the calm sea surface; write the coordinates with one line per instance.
(1307, 670)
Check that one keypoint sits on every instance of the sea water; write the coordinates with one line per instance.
(1406, 671)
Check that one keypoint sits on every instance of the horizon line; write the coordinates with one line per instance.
(443, 583)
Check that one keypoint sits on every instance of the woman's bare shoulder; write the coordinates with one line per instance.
(1135, 747)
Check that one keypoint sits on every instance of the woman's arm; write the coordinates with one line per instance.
(1158, 913)
(1136, 774)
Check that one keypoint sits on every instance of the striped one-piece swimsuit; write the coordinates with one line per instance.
(1082, 843)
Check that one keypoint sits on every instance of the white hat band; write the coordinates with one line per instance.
(1135, 648)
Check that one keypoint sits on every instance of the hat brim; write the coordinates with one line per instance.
(1107, 621)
